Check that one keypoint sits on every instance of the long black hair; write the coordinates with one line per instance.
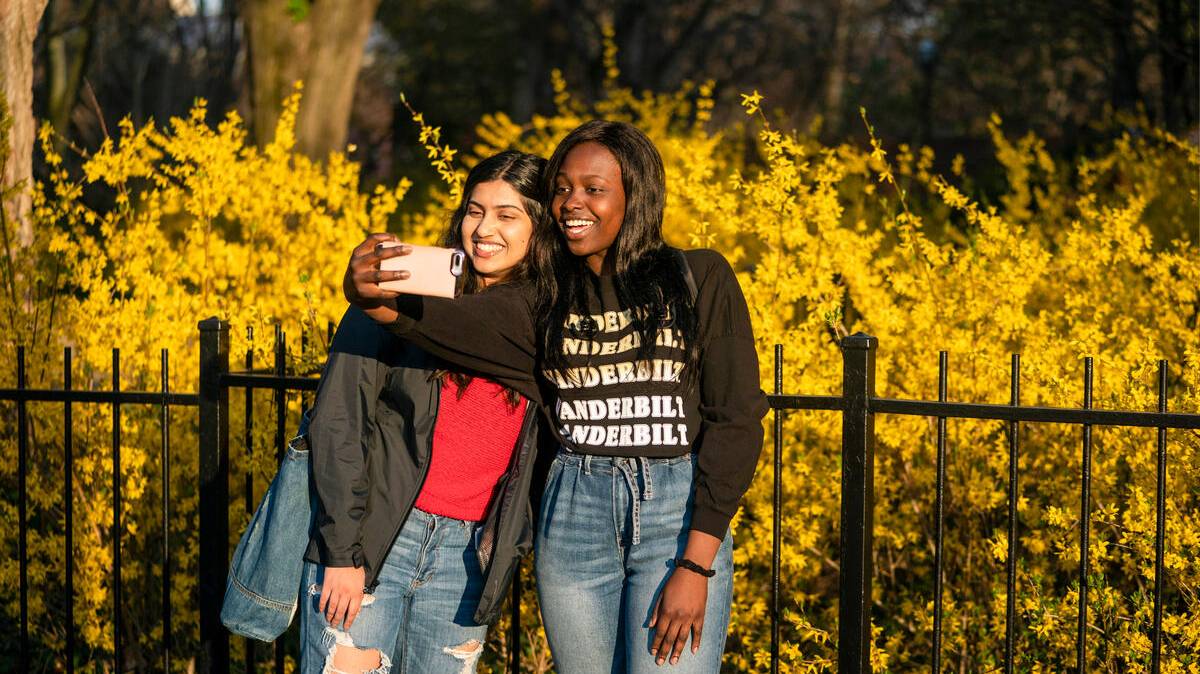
(523, 172)
(648, 277)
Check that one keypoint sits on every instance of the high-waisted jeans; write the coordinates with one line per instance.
(609, 531)
(421, 614)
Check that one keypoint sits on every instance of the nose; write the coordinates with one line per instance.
(572, 202)
(487, 225)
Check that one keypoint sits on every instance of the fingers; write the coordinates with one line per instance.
(681, 637)
(385, 250)
(372, 241)
(662, 626)
(353, 609)
(337, 611)
(363, 275)
(373, 276)
(670, 635)
(373, 257)
(380, 275)
(323, 599)
(365, 284)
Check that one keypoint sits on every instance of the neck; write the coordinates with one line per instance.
(600, 263)
(490, 280)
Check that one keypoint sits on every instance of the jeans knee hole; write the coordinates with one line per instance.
(468, 652)
(331, 667)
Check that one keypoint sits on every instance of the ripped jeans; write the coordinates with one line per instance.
(420, 616)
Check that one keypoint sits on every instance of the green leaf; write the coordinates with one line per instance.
(298, 9)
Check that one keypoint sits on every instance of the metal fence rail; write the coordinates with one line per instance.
(857, 404)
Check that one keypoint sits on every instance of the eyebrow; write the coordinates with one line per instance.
(472, 202)
(561, 174)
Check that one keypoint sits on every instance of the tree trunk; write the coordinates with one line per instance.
(278, 47)
(1126, 59)
(70, 33)
(1173, 64)
(18, 26)
(323, 49)
(835, 75)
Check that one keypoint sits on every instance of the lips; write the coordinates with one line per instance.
(487, 249)
(577, 228)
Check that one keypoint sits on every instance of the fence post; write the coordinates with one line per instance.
(214, 494)
(858, 504)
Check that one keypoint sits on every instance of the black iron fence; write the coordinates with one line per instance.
(858, 405)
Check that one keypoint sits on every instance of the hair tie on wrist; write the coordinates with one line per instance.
(685, 563)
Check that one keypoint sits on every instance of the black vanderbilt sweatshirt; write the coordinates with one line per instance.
(609, 402)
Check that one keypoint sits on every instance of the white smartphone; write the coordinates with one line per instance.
(433, 271)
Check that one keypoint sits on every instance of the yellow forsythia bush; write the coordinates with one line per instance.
(201, 223)
(1093, 258)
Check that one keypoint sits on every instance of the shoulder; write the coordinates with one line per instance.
(709, 267)
(359, 335)
(720, 303)
(523, 291)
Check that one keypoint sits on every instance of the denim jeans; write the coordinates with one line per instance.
(609, 531)
(420, 616)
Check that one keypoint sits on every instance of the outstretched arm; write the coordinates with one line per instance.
(492, 333)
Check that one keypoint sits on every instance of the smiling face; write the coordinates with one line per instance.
(589, 203)
(495, 230)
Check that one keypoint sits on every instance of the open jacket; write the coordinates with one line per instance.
(371, 438)
(364, 450)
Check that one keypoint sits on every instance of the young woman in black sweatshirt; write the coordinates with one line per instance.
(644, 361)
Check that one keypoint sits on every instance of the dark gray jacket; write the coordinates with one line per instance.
(371, 436)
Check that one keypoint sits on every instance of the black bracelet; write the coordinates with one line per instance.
(685, 563)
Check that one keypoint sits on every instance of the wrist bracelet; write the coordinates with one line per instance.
(685, 563)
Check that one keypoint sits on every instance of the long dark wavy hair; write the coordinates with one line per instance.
(648, 277)
(523, 172)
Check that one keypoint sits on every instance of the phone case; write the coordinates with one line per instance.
(434, 271)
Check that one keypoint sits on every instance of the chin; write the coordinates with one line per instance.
(580, 248)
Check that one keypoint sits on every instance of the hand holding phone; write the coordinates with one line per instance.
(432, 271)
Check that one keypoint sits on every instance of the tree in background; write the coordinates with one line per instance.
(66, 49)
(150, 59)
(932, 71)
(146, 59)
(319, 43)
(18, 27)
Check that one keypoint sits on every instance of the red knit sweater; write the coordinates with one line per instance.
(473, 442)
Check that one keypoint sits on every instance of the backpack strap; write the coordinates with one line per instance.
(686, 270)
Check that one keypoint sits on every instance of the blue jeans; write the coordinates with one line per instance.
(609, 531)
(420, 616)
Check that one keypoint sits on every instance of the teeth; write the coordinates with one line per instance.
(488, 247)
(574, 224)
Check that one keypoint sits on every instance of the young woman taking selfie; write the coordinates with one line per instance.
(421, 469)
(644, 360)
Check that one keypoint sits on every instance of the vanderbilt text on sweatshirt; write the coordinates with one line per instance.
(608, 400)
